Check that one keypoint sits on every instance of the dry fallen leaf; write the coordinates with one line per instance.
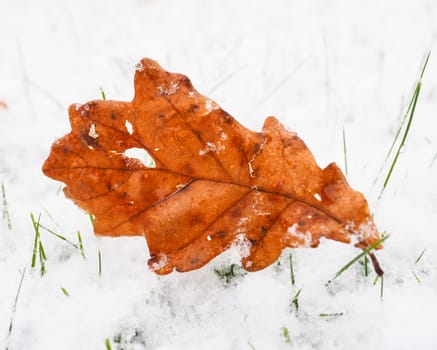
(215, 183)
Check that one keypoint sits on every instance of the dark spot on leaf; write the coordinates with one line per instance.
(194, 261)
(221, 234)
(193, 108)
(235, 213)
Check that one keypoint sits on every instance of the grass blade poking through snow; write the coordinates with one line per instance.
(14, 308)
(100, 264)
(65, 292)
(108, 344)
(5, 213)
(102, 92)
(295, 301)
(415, 263)
(293, 280)
(38, 249)
(36, 241)
(409, 114)
(59, 236)
(344, 151)
(378, 270)
(82, 251)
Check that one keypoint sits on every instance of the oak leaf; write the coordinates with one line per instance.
(215, 183)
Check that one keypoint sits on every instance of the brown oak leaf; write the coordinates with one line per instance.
(215, 183)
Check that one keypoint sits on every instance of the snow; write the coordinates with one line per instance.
(318, 67)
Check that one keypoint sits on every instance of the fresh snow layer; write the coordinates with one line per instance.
(320, 67)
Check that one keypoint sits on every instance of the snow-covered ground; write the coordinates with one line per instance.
(319, 66)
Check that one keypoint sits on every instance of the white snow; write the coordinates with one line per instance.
(304, 237)
(318, 66)
(92, 133)
(129, 127)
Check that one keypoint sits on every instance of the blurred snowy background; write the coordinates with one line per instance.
(320, 67)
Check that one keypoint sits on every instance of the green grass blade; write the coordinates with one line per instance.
(42, 258)
(59, 236)
(286, 335)
(335, 314)
(108, 344)
(366, 265)
(358, 257)
(91, 216)
(382, 288)
(65, 292)
(100, 264)
(36, 226)
(416, 277)
(408, 116)
(295, 301)
(292, 278)
(102, 92)
(402, 143)
(420, 256)
(82, 251)
(14, 308)
(5, 212)
(345, 152)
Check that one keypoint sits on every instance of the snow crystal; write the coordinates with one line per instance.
(304, 237)
(317, 197)
(210, 147)
(251, 170)
(139, 67)
(162, 262)
(174, 86)
(129, 127)
(210, 105)
(92, 133)
(243, 245)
